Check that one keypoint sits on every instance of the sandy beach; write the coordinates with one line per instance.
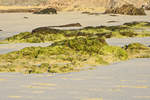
(127, 80)
(17, 23)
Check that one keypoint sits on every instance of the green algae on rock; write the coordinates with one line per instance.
(48, 34)
(69, 56)
(63, 56)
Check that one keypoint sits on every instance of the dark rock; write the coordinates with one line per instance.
(25, 17)
(69, 25)
(46, 11)
(85, 12)
(90, 13)
(111, 21)
(45, 30)
(126, 9)
(1, 30)
(136, 23)
(51, 30)
(106, 35)
(132, 23)
(113, 15)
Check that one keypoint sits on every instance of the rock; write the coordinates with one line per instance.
(126, 9)
(25, 17)
(51, 30)
(131, 23)
(1, 30)
(112, 21)
(45, 30)
(69, 25)
(106, 35)
(46, 11)
(90, 13)
(113, 15)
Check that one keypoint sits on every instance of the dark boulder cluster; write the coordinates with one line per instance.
(47, 11)
(126, 9)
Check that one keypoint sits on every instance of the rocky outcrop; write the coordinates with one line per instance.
(46, 11)
(126, 9)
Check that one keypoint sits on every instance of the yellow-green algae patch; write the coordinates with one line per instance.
(63, 56)
(69, 56)
(47, 34)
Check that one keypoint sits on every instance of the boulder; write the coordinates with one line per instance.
(126, 9)
(46, 11)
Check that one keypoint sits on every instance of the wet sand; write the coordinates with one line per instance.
(127, 80)
(13, 23)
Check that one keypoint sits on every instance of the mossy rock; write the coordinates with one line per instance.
(47, 11)
(126, 9)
